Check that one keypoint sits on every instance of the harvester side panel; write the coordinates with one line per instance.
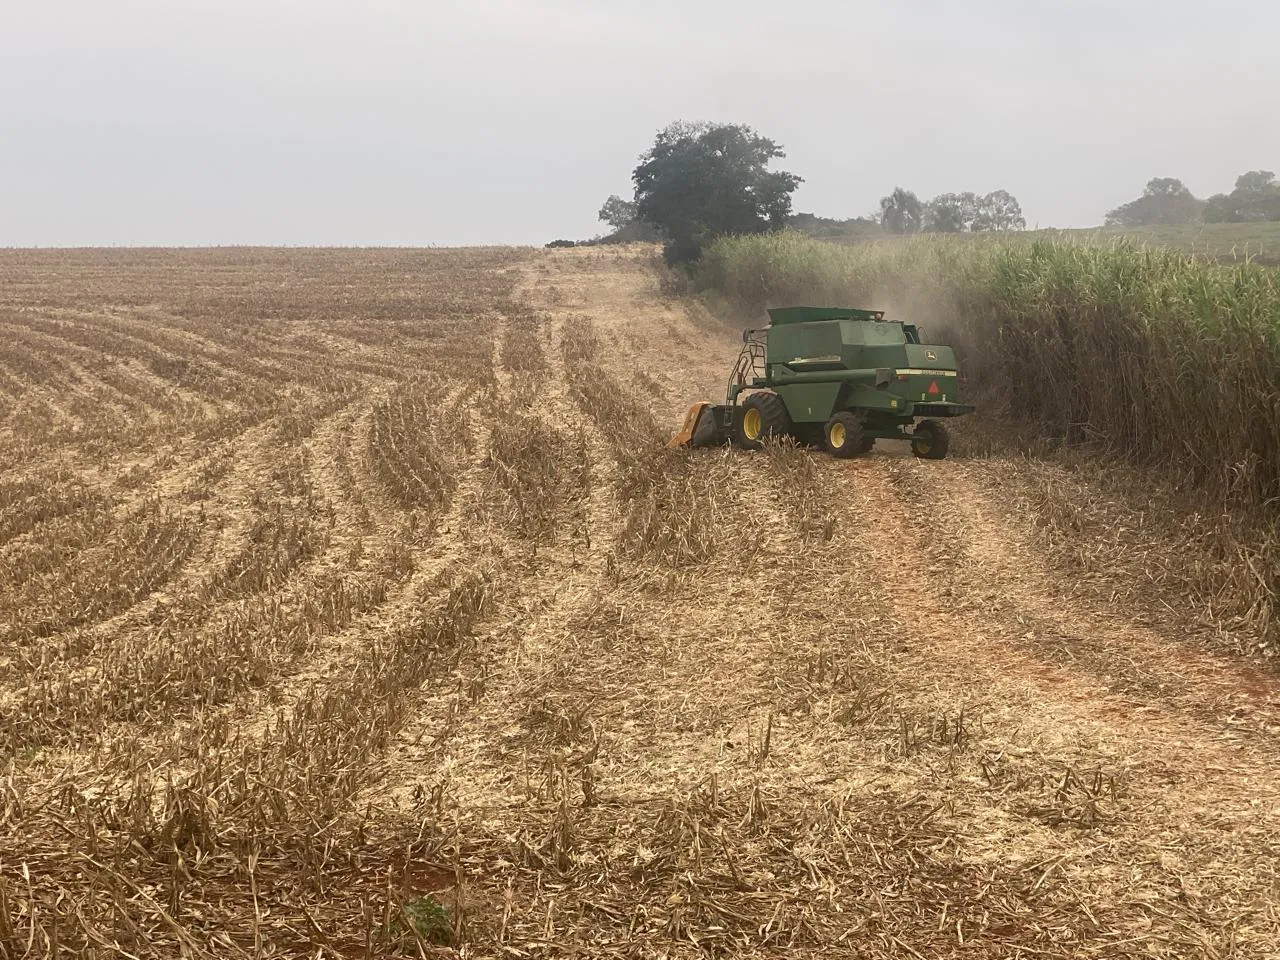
(811, 402)
(802, 346)
(930, 356)
(869, 397)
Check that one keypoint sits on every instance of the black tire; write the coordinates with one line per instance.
(809, 434)
(868, 444)
(710, 431)
(763, 415)
(929, 440)
(844, 435)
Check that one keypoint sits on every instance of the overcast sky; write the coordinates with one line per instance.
(490, 121)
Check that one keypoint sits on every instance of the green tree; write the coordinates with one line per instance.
(1166, 200)
(830, 228)
(1257, 182)
(999, 210)
(901, 212)
(700, 181)
(1256, 197)
(1220, 208)
(968, 212)
(951, 213)
(617, 213)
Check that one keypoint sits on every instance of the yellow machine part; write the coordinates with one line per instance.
(690, 425)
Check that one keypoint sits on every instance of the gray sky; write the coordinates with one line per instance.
(488, 121)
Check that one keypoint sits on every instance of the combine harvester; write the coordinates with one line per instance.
(840, 377)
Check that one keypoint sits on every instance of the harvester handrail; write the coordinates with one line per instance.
(751, 363)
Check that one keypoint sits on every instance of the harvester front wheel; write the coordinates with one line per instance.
(763, 415)
(929, 440)
(844, 435)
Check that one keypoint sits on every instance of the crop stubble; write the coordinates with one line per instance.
(338, 579)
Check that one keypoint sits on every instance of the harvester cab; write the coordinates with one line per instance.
(835, 376)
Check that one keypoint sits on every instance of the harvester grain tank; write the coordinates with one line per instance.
(836, 376)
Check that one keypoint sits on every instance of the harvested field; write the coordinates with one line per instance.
(352, 606)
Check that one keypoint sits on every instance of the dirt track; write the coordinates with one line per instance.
(592, 696)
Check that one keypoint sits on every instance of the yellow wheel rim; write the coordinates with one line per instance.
(838, 435)
(923, 446)
(752, 424)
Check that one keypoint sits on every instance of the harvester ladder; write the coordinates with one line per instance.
(750, 365)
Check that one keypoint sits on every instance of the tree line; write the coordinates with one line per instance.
(903, 212)
(1166, 200)
(700, 181)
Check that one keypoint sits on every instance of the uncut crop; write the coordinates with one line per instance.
(1163, 359)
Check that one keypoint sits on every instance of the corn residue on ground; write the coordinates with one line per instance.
(354, 607)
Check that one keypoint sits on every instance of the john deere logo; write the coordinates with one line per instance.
(929, 354)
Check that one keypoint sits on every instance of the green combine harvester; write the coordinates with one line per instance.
(835, 376)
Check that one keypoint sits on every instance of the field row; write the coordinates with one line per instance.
(433, 644)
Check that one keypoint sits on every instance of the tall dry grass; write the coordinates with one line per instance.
(1158, 358)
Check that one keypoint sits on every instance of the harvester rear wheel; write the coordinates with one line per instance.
(929, 440)
(844, 435)
(763, 415)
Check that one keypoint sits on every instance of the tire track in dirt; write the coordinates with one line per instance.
(992, 606)
(1205, 797)
(1130, 659)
